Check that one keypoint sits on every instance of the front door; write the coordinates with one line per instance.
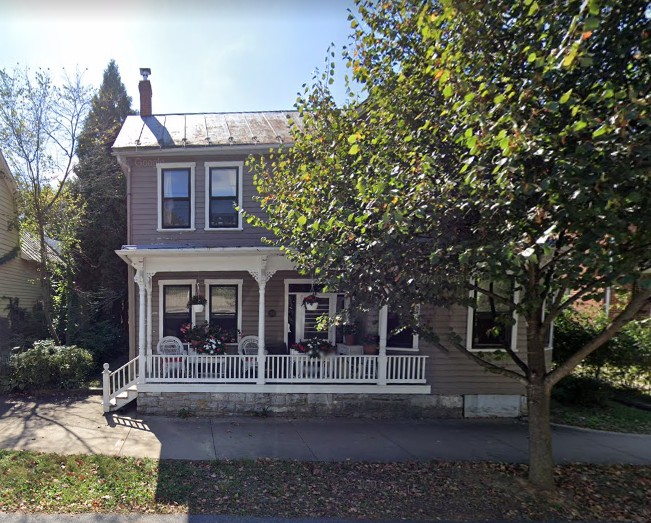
(303, 323)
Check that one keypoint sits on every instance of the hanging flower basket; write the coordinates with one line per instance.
(311, 302)
(197, 303)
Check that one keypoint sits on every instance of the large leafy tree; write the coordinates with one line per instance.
(499, 140)
(101, 276)
(40, 121)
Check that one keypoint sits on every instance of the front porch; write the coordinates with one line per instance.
(292, 373)
(264, 301)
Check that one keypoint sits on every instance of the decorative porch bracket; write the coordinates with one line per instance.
(262, 276)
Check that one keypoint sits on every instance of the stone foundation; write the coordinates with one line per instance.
(302, 405)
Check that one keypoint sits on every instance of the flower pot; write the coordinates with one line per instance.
(349, 339)
(311, 306)
(370, 349)
(198, 307)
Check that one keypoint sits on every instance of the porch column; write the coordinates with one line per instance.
(140, 280)
(148, 278)
(382, 358)
(262, 276)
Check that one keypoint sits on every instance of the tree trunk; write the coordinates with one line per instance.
(541, 461)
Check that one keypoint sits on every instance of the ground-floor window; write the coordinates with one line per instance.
(175, 308)
(224, 307)
(394, 333)
(491, 322)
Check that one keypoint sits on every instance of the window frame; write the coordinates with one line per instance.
(383, 321)
(240, 176)
(161, 301)
(470, 321)
(160, 168)
(230, 282)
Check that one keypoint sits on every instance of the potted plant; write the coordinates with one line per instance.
(311, 302)
(350, 330)
(370, 343)
(212, 346)
(197, 302)
(195, 334)
(313, 347)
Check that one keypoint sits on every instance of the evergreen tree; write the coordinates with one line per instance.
(101, 279)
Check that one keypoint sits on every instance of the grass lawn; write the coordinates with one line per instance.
(612, 416)
(33, 482)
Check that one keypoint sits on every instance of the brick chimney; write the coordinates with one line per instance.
(144, 86)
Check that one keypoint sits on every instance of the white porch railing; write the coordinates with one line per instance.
(292, 368)
(118, 381)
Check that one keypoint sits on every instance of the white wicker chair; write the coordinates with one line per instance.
(248, 346)
(170, 346)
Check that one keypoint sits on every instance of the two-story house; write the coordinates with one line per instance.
(187, 176)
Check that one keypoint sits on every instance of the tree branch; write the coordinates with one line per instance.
(636, 303)
(496, 369)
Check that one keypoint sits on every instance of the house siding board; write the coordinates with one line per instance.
(144, 208)
(452, 372)
(18, 277)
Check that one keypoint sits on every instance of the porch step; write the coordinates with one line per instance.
(123, 398)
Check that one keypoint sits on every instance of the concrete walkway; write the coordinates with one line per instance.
(77, 425)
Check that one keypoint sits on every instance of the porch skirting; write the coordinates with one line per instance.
(358, 405)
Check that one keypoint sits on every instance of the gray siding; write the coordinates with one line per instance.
(143, 209)
(452, 372)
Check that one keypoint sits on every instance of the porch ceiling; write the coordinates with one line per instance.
(204, 258)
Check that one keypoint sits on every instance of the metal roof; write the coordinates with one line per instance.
(206, 129)
(30, 249)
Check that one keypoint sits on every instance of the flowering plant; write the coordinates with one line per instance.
(197, 299)
(211, 345)
(313, 347)
(208, 338)
(310, 298)
(194, 333)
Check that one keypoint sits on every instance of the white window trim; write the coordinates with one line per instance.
(382, 331)
(159, 174)
(206, 293)
(470, 321)
(332, 330)
(161, 312)
(240, 187)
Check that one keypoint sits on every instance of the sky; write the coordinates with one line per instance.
(205, 56)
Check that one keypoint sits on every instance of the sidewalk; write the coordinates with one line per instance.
(77, 425)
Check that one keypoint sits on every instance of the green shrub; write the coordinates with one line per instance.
(624, 360)
(48, 366)
(103, 339)
(581, 390)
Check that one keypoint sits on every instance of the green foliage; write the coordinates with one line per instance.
(623, 360)
(48, 366)
(39, 124)
(101, 276)
(25, 327)
(102, 339)
(581, 390)
(501, 137)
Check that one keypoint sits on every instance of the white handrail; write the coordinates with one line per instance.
(116, 382)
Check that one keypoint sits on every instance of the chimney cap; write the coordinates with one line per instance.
(145, 72)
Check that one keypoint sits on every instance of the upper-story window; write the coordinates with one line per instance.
(223, 194)
(176, 196)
